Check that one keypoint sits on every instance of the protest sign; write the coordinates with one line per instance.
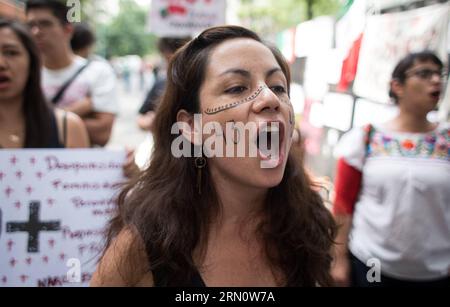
(54, 206)
(390, 37)
(185, 17)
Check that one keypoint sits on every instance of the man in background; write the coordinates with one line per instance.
(167, 46)
(70, 81)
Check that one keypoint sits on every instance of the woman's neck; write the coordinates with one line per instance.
(239, 203)
(410, 122)
(10, 110)
(12, 124)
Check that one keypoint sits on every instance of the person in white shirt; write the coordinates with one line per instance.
(82, 43)
(393, 188)
(89, 87)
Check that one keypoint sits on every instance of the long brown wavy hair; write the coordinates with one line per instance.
(172, 219)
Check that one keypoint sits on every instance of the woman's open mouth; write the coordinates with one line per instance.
(436, 94)
(270, 143)
(4, 82)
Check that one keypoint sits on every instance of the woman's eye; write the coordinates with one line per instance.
(424, 73)
(279, 89)
(236, 90)
(10, 52)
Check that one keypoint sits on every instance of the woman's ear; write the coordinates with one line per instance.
(190, 127)
(397, 88)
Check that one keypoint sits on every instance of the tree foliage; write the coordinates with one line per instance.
(272, 16)
(126, 33)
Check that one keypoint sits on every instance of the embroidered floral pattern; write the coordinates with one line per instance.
(431, 145)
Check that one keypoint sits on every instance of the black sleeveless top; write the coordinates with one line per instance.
(160, 279)
(54, 141)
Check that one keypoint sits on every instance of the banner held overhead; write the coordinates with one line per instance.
(185, 18)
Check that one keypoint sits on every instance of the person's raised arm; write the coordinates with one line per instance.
(99, 127)
(347, 189)
(103, 97)
(340, 270)
(82, 108)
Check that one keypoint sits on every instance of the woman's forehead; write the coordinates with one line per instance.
(423, 63)
(240, 53)
(9, 37)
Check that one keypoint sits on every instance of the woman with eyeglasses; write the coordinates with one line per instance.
(393, 189)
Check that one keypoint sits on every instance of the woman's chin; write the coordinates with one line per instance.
(250, 171)
(269, 177)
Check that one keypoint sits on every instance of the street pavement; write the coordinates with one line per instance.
(126, 133)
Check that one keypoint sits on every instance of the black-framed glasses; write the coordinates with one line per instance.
(42, 24)
(427, 74)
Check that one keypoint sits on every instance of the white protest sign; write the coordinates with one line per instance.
(185, 17)
(390, 37)
(54, 206)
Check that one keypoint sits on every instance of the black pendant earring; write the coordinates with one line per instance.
(200, 164)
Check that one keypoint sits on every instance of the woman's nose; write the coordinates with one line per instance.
(3, 64)
(35, 30)
(436, 78)
(266, 101)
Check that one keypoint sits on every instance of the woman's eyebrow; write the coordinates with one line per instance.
(9, 45)
(237, 71)
(273, 70)
(247, 74)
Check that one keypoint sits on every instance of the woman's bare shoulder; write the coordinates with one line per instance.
(77, 135)
(124, 263)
